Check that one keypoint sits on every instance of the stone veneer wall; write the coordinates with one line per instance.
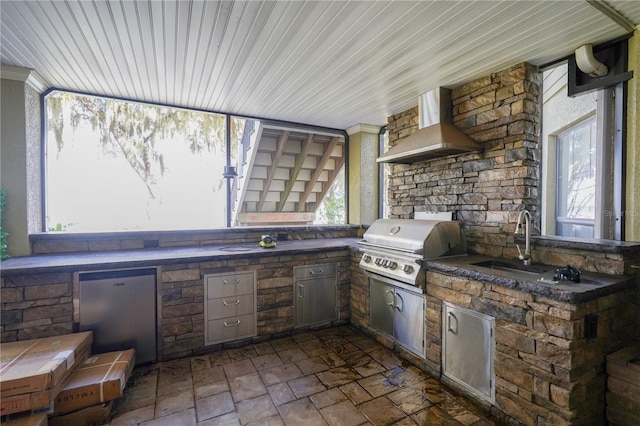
(547, 371)
(51, 243)
(182, 316)
(41, 305)
(485, 189)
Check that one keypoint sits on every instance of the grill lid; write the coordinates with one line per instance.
(429, 238)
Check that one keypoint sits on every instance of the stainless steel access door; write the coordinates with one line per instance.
(120, 308)
(468, 349)
(397, 312)
(408, 322)
(315, 294)
(381, 299)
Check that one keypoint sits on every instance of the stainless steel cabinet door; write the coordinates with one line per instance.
(315, 294)
(315, 301)
(408, 323)
(467, 349)
(120, 308)
(381, 306)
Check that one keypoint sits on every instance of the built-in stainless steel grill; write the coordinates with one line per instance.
(394, 247)
(393, 250)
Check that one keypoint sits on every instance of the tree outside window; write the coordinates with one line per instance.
(116, 165)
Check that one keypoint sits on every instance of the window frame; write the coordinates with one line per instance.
(609, 193)
(588, 120)
(230, 184)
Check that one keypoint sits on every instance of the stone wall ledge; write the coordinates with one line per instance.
(79, 242)
(600, 246)
(165, 256)
(592, 285)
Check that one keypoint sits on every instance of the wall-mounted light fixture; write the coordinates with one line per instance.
(229, 172)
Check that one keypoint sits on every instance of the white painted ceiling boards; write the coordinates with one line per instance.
(326, 63)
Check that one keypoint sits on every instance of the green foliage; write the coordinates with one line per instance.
(332, 211)
(334, 204)
(3, 234)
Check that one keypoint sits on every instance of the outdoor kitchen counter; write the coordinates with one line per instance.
(591, 286)
(163, 256)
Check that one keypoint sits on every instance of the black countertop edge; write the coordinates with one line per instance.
(163, 256)
(602, 246)
(598, 285)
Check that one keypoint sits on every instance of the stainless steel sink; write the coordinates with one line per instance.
(512, 267)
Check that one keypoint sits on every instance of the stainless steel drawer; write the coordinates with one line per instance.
(229, 285)
(315, 271)
(230, 306)
(231, 328)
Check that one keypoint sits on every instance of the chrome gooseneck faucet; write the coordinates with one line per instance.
(526, 217)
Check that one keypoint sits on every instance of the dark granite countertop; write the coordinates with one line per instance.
(591, 285)
(159, 256)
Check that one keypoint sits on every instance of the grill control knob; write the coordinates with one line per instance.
(366, 258)
(408, 269)
(393, 265)
(378, 261)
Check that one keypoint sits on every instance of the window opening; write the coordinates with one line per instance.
(289, 175)
(117, 165)
(576, 180)
(120, 165)
(582, 159)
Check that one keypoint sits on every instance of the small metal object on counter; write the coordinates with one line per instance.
(568, 273)
(267, 242)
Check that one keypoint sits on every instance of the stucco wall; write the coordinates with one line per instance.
(363, 174)
(632, 208)
(13, 155)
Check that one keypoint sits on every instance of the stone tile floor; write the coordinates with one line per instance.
(334, 376)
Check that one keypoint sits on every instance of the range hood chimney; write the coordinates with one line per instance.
(436, 135)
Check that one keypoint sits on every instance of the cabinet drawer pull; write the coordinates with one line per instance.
(450, 325)
(225, 303)
(400, 306)
(237, 280)
(312, 272)
(232, 325)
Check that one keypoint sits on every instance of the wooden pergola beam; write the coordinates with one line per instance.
(316, 175)
(275, 159)
(295, 172)
(332, 178)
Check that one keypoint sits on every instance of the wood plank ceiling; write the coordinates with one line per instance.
(325, 63)
(333, 64)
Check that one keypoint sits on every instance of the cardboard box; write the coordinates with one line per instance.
(26, 419)
(27, 401)
(101, 378)
(33, 372)
(95, 415)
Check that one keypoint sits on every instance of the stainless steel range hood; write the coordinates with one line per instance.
(436, 136)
